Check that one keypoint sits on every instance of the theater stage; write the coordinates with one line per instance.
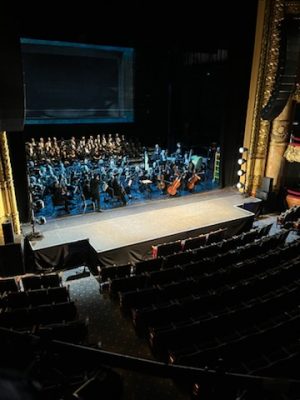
(127, 233)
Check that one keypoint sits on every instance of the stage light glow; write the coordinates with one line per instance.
(243, 150)
(241, 161)
(241, 172)
(240, 185)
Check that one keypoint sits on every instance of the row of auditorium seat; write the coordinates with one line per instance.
(165, 249)
(34, 297)
(29, 282)
(42, 314)
(217, 311)
(41, 305)
(242, 345)
(70, 331)
(205, 262)
(168, 307)
(154, 264)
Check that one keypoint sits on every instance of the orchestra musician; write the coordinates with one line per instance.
(95, 191)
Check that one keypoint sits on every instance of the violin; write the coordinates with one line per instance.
(193, 181)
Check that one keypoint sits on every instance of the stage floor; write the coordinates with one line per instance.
(138, 223)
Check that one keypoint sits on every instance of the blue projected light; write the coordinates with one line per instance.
(75, 83)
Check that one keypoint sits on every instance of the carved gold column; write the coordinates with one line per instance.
(264, 67)
(278, 144)
(7, 184)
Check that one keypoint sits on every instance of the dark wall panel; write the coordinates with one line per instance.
(11, 75)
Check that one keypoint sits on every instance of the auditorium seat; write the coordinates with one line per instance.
(58, 294)
(166, 249)
(70, 331)
(16, 300)
(138, 298)
(153, 264)
(177, 259)
(264, 230)
(50, 280)
(194, 243)
(216, 236)
(31, 282)
(8, 285)
(115, 271)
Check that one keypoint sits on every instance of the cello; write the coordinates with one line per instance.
(172, 188)
(193, 181)
(161, 184)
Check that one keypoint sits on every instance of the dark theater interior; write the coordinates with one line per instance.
(150, 200)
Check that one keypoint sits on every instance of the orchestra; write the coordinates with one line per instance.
(67, 171)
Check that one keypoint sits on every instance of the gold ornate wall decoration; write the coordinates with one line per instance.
(292, 7)
(265, 64)
(296, 95)
(279, 138)
(292, 153)
(280, 131)
(7, 184)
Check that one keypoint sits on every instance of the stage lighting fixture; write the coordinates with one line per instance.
(243, 150)
(241, 172)
(241, 161)
(240, 185)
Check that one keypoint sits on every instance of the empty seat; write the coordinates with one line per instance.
(38, 296)
(50, 280)
(216, 236)
(31, 282)
(153, 264)
(194, 243)
(16, 300)
(71, 331)
(58, 294)
(166, 249)
(177, 259)
(264, 230)
(116, 271)
(8, 285)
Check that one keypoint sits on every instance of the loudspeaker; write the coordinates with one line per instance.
(11, 260)
(287, 71)
(262, 195)
(8, 233)
(11, 75)
(266, 184)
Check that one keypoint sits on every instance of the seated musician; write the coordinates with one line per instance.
(178, 152)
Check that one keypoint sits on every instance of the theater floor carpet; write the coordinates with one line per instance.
(139, 223)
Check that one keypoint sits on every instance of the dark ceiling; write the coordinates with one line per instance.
(190, 24)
